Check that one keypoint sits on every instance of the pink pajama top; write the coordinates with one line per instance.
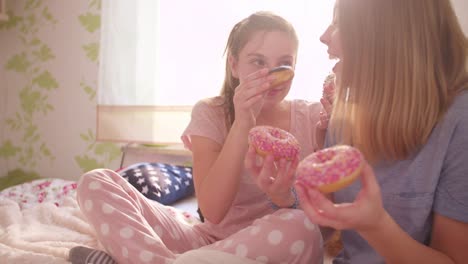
(250, 202)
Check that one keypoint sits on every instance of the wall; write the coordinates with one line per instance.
(48, 79)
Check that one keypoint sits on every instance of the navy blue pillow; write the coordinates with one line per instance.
(165, 183)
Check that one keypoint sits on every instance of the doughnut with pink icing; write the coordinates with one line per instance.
(330, 169)
(280, 143)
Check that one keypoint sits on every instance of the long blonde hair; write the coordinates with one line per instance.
(241, 33)
(403, 63)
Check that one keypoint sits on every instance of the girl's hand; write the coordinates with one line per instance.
(275, 179)
(364, 214)
(322, 125)
(325, 113)
(248, 96)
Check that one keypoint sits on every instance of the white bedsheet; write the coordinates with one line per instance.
(43, 233)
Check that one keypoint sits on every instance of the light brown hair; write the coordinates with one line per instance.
(241, 33)
(403, 63)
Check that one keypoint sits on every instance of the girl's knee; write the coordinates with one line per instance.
(92, 180)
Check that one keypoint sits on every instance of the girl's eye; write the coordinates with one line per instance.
(258, 62)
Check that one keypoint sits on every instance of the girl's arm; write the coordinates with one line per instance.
(448, 242)
(218, 168)
(217, 171)
(367, 216)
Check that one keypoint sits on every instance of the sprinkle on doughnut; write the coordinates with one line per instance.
(330, 169)
(280, 143)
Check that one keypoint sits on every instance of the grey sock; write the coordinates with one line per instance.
(84, 255)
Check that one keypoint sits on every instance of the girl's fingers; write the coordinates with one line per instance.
(312, 212)
(341, 214)
(255, 88)
(321, 203)
(368, 180)
(267, 171)
(324, 118)
(255, 83)
(252, 101)
(254, 80)
(250, 161)
(326, 105)
(281, 167)
(284, 175)
(258, 74)
(292, 170)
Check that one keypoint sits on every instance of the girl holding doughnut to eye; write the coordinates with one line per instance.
(244, 215)
(253, 214)
(402, 99)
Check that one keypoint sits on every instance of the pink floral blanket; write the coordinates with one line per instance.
(40, 191)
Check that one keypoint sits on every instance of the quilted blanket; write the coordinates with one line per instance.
(40, 221)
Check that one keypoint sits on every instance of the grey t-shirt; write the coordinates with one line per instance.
(433, 180)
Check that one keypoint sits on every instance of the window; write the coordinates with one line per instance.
(160, 57)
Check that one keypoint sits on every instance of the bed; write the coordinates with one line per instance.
(40, 221)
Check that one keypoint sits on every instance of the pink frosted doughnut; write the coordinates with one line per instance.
(280, 143)
(330, 169)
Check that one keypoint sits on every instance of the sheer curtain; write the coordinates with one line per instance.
(160, 57)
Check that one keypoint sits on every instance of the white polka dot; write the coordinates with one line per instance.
(254, 230)
(146, 256)
(287, 216)
(126, 232)
(94, 185)
(309, 224)
(227, 244)
(262, 259)
(149, 240)
(125, 252)
(159, 230)
(88, 205)
(107, 209)
(104, 229)
(275, 237)
(297, 247)
(241, 250)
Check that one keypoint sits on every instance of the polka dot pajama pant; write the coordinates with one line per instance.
(134, 230)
